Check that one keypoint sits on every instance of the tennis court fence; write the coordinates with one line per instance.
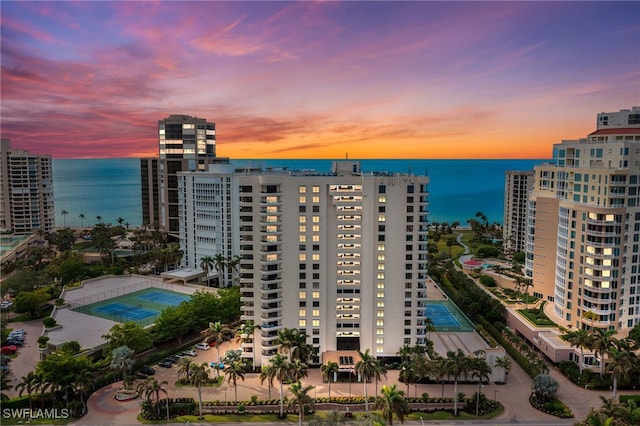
(120, 291)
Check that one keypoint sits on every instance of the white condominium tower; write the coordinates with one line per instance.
(340, 255)
(518, 185)
(26, 191)
(583, 243)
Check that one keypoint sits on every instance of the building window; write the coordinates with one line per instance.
(302, 313)
(302, 189)
(302, 323)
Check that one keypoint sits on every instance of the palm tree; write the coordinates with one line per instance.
(64, 214)
(99, 218)
(622, 362)
(151, 389)
(233, 263)
(267, 372)
(367, 368)
(481, 371)
(28, 384)
(244, 334)
(281, 371)
(580, 339)
(328, 370)
(301, 398)
(206, 263)
(429, 326)
(408, 374)
(392, 402)
(505, 363)
(601, 343)
(4, 385)
(233, 372)
(120, 220)
(457, 364)
(220, 263)
(82, 216)
(287, 340)
(526, 283)
(184, 368)
(216, 332)
(298, 370)
(121, 359)
(590, 315)
(438, 368)
(199, 375)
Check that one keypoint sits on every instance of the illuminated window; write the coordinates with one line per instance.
(380, 294)
(302, 295)
(315, 323)
(315, 199)
(380, 266)
(316, 312)
(302, 189)
(303, 238)
(380, 304)
(382, 218)
(380, 314)
(381, 257)
(315, 295)
(380, 285)
(302, 219)
(302, 228)
(379, 340)
(380, 323)
(380, 275)
(379, 349)
(382, 198)
(380, 331)
(380, 247)
(315, 256)
(316, 228)
(315, 238)
(316, 189)
(302, 313)
(316, 219)
(302, 199)
(302, 323)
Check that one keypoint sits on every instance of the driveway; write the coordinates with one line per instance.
(28, 355)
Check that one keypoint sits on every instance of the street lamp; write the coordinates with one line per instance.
(495, 392)
(166, 393)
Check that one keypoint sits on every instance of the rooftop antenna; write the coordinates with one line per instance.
(346, 155)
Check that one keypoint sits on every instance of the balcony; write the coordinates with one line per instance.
(271, 316)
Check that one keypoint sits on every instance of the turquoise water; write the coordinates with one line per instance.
(447, 317)
(9, 242)
(110, 188)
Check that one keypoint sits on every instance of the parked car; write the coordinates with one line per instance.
(149, 371)
(5, 368)
(13, 342)
(202, 346)
(5, 359)
(11, 349)
(165, 364)
(173, 358)
(190, 353)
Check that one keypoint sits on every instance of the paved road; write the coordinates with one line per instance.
(28, 355)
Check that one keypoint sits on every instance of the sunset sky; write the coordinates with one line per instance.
(316, 79)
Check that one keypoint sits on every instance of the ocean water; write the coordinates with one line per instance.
(110, 188)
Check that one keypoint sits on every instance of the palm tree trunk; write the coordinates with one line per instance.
(281, 400)
(200, 398)
(455, 398)
(366, 398)
(615, 388)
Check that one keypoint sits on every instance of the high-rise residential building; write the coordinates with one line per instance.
(583, 243)
(517, 186)
(26, 191)
(185, 143)
(340, 255)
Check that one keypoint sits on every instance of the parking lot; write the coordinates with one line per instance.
(27, 356)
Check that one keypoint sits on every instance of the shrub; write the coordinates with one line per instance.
(49, 322)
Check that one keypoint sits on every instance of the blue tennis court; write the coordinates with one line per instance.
(163, 298)
(446, 316)
(441, 316)
(123, 311)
